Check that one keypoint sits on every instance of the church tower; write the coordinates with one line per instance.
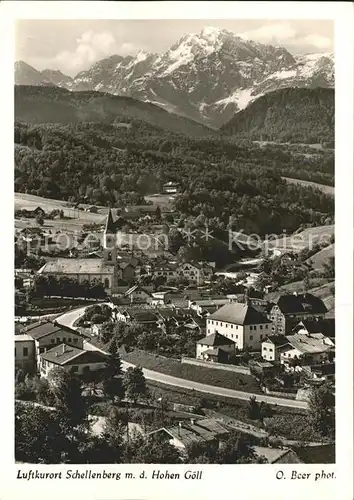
(109, 241)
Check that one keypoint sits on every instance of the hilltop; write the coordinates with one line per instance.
(295, 115)
(42, 104)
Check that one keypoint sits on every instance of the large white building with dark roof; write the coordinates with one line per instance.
(242, 323)
(45, 344)
(105, 270)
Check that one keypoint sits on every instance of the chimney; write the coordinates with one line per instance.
(64, 348)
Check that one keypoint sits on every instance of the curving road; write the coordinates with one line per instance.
(70, 317)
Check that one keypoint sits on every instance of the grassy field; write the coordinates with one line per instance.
(326, 293)
(163, 200)
(219, 378)
(325, 454)
(235, 408)
(76, 218)
(321, 257)
(326, 189)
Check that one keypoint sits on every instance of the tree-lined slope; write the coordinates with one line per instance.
(39, 104)
(296, 115)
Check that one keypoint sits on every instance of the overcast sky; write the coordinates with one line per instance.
(74, 45)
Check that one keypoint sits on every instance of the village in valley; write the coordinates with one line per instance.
(174, 242)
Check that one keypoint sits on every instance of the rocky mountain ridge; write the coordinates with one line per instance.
(208, 76)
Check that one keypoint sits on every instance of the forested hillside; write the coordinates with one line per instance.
(294, 115)
(58, 105)
(104, 164)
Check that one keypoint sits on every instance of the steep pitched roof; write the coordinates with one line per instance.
(64, 354)
(76, 266)
(277, 455)
(310, 344)
(200, 431)
(41, 329)
(215, 339)
(301, 303)
(239, 314)
(326, 326)
(277, 340)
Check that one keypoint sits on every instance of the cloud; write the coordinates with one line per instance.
(321, 42)
(90, 47)
(270, 32)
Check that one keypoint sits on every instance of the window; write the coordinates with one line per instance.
(264, 348)
(25, 351)
(109, 256)
(261, 327)
(74, 368)
(232, 335)
(231, 326)
(75, 341)
(212, 322)
(70, 340)
(236, 327)
(220, 323)
(41, 349)
(226, 325)
(52, 341)
(236, 336)
(216, 323)
(64, 339)
(251, 337)
(266, 327)
(86, 369)
(251, 327)
(208, 330)
(261, 336)
(106, 283)
(58, 341)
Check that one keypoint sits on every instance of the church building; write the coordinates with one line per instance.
(106, 269)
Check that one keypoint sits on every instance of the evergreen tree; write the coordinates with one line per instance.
(135, 384)
(68, 398)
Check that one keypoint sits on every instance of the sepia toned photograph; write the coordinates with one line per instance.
(174, 242)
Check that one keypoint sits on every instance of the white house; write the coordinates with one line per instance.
(138, 294)
(25, 352)
(72, 359)
(196, 273)
(215, 347)
(47, 334)
(315, 348)
(242, 323)
(272, 347)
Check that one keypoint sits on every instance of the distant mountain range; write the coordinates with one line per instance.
(207, 77)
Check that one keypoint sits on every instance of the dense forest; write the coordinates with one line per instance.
(103, 164)
(294, 115)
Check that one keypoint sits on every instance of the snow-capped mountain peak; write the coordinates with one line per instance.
(207, 76)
